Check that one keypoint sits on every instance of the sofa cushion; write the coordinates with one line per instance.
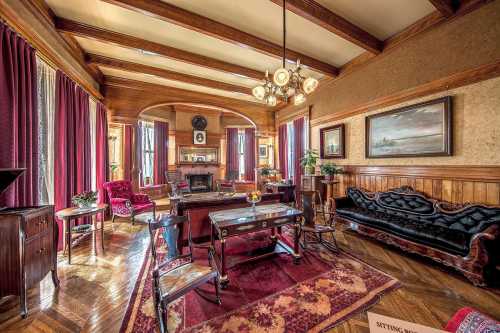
(412, 203)
(443, 238)
(472, 220)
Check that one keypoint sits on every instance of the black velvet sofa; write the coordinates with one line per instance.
(466, 237)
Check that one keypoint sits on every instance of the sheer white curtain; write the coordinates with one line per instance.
(93, 143)
(46, 86)
(290, 133)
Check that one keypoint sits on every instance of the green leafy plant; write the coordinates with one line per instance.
(330, 169)
(85, 199)
(309, 160)
(265, 171)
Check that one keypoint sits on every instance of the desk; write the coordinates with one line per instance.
(235, 222)
(72, 213)
(288, 191)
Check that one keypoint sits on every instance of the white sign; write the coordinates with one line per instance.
(383, 324)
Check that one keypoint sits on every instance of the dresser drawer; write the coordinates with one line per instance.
(37, 224)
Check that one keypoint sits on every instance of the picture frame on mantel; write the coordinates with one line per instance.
(418, 130)
(332, 142)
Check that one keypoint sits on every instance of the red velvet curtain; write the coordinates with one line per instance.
(160, 163)
(298, 149)
(250, 154)
(102, 155)
(138, 153)
(232, 157)
(127, 158)
(72, 144)
(18, 117)
(282, 152)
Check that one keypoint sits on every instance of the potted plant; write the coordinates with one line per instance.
(329, 170)
(309, 161)
(85, 199)
(265, 171)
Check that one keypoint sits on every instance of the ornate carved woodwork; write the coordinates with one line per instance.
(28, 247)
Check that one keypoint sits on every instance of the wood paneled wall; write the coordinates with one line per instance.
(456, 184)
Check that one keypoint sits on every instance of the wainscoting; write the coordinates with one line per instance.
(456, 184)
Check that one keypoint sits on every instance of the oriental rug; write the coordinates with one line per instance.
(267, 295)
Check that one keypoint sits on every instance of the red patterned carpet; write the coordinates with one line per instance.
(267, 295)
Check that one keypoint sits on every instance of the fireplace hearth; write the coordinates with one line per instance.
(200, 182)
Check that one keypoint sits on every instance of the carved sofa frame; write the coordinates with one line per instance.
(472, 265)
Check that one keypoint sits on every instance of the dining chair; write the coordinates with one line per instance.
(312, 232)
(175, 273)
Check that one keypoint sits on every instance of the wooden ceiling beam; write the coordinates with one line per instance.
(314, 12)
(172, 14)
(445, 7)
(87, 31)
(98, 60)
(174, 92)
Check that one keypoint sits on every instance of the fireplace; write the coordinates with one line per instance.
(200, 182)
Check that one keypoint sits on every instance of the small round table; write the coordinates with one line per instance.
(72, 213)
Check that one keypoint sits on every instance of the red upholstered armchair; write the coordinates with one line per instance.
(125, 203)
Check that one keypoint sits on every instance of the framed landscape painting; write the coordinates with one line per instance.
(419, 130)
(332, 141)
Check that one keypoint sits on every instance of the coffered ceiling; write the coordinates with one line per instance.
(222, 48)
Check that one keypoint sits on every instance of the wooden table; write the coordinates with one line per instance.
(235, 222)
(72, 213)
(330, 184)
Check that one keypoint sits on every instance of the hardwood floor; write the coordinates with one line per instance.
(95, 290)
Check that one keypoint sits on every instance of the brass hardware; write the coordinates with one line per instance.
(245, 227)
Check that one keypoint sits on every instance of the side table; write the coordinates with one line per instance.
(72, 213)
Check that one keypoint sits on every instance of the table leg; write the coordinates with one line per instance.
(102, 231)
(68, 239)
(296, 253)
(223, 279)
(94, 232)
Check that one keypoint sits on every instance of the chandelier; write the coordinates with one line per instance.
(285, 83)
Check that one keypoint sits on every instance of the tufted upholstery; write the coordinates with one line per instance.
(414, 217)
(124, 202)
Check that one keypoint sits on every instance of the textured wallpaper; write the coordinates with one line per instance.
(476, 127)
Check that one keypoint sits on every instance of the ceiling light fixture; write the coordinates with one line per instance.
(285, 83)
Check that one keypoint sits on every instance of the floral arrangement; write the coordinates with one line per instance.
(85, 199)
(254, 196)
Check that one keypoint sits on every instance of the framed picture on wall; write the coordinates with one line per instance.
(263, 153)
(199, 137)
(418, 130)
(332, 142)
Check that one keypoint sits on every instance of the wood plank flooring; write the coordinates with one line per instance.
(95, 289)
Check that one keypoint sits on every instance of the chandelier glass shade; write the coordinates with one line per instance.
(285, 83)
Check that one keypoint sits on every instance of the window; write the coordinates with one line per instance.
(290, 136)
(46, 85)
(147, 151)
(241, 152)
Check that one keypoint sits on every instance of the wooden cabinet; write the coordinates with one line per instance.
(28, 247)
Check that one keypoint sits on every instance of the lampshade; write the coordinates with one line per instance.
(281, 77)
(271, 100)
(299, 98)
(259, 92)
(310, 84)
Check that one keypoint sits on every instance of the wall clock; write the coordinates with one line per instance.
(199, 137)
(199, 123)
